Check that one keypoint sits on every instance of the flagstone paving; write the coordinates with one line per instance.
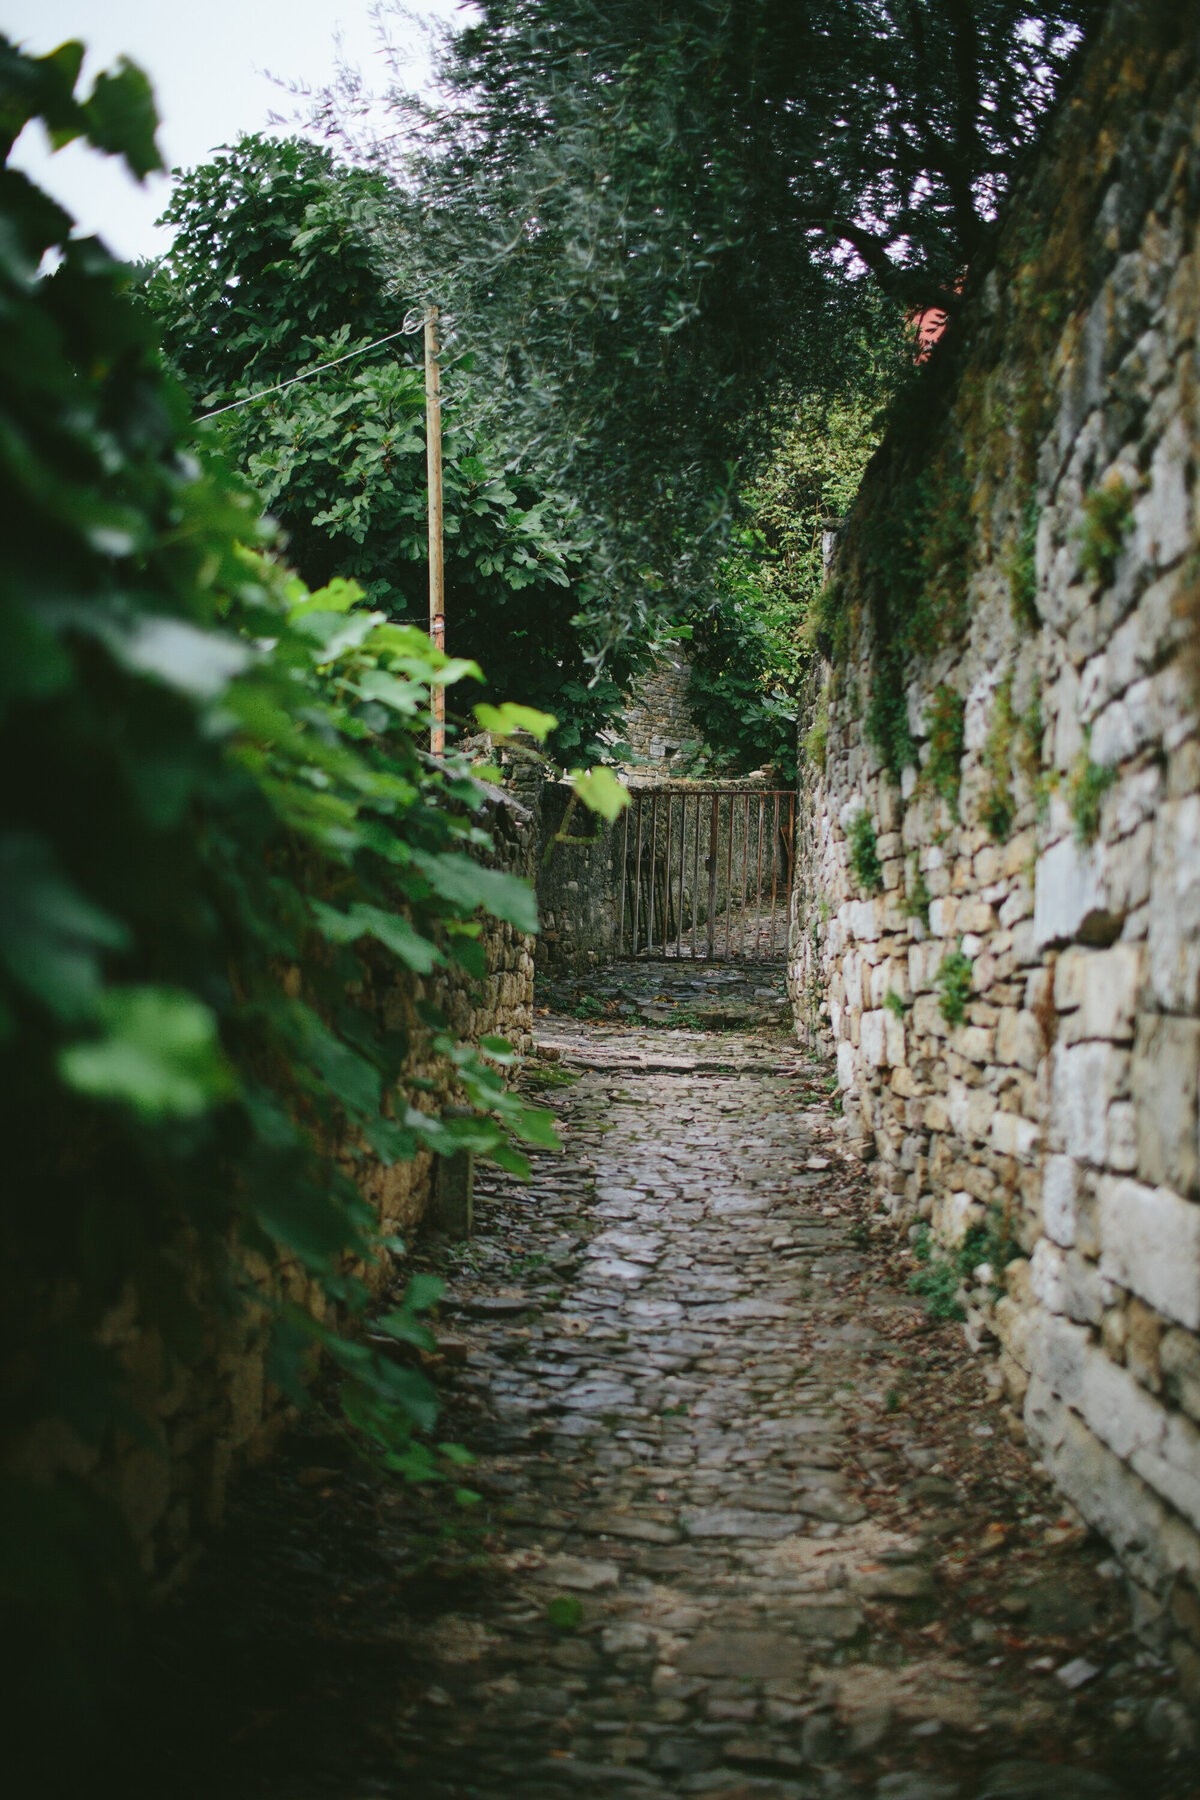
(749, 1524)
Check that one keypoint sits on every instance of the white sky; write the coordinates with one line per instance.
(207, 60)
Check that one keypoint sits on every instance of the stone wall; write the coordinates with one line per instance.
(658, 717)
(220, 1412)
(1016, 1009)
(578, 886)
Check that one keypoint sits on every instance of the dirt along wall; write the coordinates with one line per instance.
(997, 919)
(220, 1412)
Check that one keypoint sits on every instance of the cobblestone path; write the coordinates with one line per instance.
(750, 1526)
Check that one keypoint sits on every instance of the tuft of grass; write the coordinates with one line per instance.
(954, 980)
(1107, 517)
(895, 1004)
(944, 721)
(816, 739)
(864, 853)
(1085, 792)
(938, 1284)
(1022, 572)
(917, 896)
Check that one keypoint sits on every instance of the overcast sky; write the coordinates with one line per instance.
(208, 61)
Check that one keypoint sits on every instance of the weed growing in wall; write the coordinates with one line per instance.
(954, 983)
(944, 1274)
(1086, 789)
(998, 805)
(1022, 572)
(916, 895)
(943, 766)
(864, 853)
(1107, 517)
(895, 1004)
(816, 739)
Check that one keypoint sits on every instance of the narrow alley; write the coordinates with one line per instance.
(748, 1522)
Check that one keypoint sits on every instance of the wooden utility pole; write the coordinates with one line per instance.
(433, 465)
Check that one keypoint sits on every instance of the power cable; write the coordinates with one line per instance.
(406, 330)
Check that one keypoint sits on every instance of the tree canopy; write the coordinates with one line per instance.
(649, 216)
(285, 260)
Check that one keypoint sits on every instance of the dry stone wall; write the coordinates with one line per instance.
(221, 1412)
(999, 935)
(658, 716)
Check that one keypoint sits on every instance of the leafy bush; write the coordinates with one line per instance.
(284, 260)
(938, 1283)
(742, 673)
(221, 839)
(954, 980)
(864, 853)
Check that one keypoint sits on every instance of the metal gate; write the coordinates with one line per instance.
(706, 873)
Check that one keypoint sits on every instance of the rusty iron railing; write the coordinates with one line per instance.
(706, 872)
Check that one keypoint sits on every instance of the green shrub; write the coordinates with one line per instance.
(864, 853)
(954, 980)
(221, 838)
(938, 1284)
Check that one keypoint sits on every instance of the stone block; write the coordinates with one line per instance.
(1174, 936)
(1058, 1353)
(1019, 852)
(1128, 871)
(956, 1215)
(846, 1066)
(974, 1042)
(894, 1039)
(1179, 1366)
(872, 1039)
(1012, 1135)
(1085, 1079)
(974, 916)
(1071, 896)
(1122, 1137)
(1106, 983)
(1162, 514)
(1016, 906)
(1069, 977)
(1067, 1283)
(1046, 1275)
(1164, 1076)
(1111, 1496)
(1150, 1244)
(1018, 1039)
(1163, 1448)
(943, 915)
(927, 1020)
(1143, 1335)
